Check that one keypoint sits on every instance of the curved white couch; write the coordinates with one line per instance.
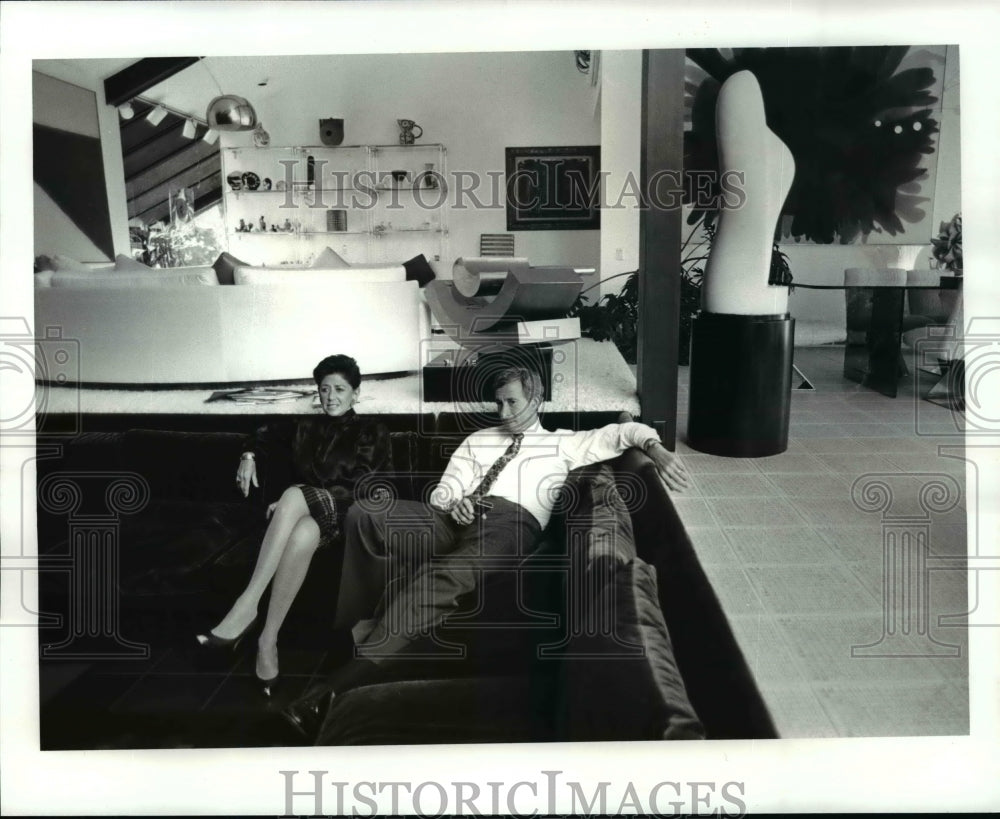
(197, 334)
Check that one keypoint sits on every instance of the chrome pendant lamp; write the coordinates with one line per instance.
(229, 112)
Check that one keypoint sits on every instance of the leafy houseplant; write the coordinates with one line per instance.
(615, 316)
(182, 245)
(947, 247)
(693, 259)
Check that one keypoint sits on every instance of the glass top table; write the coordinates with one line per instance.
(876, 322)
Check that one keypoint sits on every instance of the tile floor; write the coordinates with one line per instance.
(794, 549)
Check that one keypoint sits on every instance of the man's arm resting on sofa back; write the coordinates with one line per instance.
(605, 443)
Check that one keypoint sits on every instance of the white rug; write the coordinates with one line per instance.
(589, 376)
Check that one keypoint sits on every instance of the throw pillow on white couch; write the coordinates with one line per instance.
(329, 259)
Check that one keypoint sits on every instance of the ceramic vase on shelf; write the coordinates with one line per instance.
(406, 131)
(430, 179)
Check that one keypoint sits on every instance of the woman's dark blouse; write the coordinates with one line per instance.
(332, 452)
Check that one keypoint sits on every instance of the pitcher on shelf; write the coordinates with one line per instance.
(406, 128)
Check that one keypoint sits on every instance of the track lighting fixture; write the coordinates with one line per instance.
(155, 117)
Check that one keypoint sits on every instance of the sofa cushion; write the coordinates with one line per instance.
(596, 520)
(66, 264)
(193, 466)
(419, 268)
(490, 709)
(126, 264)
(186, 548)
(225, 266)
(329, 259)
(621, 680)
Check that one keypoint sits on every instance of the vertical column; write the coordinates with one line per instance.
(661, 163)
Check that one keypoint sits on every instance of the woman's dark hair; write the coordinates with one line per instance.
(340, 365)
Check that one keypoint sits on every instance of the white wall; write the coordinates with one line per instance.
(58, 102)
(621, 127)
(475, 104)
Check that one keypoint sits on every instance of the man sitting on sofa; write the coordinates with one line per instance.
(494, 498)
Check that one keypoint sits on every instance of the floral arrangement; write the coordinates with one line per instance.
(181, 245)
(947, 247)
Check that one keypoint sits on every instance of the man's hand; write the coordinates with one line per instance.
(463, 512)
(672, 471)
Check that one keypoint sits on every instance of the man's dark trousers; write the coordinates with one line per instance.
(407, 565)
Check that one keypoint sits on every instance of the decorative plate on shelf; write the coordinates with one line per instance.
(251, 181)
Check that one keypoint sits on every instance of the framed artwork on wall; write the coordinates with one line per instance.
(553, 188)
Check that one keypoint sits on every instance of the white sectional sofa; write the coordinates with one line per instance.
(183, 327)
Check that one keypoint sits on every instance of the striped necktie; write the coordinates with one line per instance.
(491, 475)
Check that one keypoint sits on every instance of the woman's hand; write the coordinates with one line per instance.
(270, 510)
(246, 474)
(463, 512)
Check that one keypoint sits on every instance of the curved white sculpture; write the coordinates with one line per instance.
(739, 264)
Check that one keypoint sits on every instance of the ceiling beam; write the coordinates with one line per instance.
(141, 76)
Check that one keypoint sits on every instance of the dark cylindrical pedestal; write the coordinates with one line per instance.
(741, 381)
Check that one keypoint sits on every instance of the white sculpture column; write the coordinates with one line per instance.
(742, 340)
(740, 262)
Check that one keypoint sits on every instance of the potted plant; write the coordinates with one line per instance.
(947, 247)
(693, 258)
(615, 316)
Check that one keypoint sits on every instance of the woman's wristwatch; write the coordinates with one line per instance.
(649, 444)
(247, 456)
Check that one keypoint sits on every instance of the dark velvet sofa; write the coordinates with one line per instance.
(608, 629)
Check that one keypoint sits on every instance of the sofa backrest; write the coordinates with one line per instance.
(198, 335)
(251, 276)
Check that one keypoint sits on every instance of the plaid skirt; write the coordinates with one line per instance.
(323, 509)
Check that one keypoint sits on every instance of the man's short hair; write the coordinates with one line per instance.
(531, 382)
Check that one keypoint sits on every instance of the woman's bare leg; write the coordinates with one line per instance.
(291, 571)
(290, 510)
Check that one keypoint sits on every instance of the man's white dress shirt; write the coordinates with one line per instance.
(534, 476)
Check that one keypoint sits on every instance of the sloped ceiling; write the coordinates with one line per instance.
(159, 159)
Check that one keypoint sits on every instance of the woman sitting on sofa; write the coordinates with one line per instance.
(329, 454)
